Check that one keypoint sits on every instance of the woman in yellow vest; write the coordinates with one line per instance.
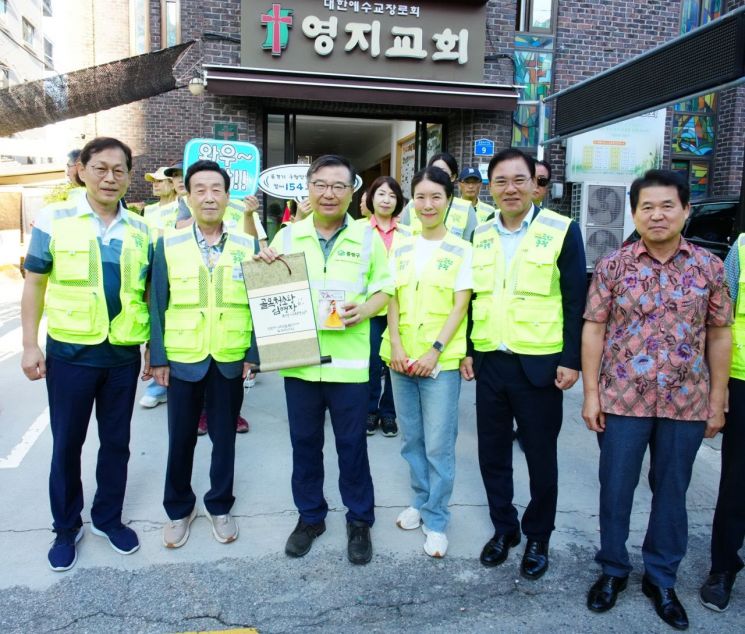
(384, 201)
(424, 343)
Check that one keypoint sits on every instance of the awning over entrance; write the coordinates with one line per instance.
(257, 82)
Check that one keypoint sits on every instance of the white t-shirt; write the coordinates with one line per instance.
(424, 251)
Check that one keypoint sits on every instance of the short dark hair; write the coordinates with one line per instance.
(332, 160)
(509, 155)
(206, 166)
(446, 158)
(547, 166)
(660, 178)
(393, 184)
(73, 156)
(434, 175)
(101, 143)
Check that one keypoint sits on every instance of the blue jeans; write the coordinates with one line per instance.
(379, 404)
(428, 415)
(155, 390)
(673, 445)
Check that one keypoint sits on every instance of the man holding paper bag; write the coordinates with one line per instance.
(350, 282)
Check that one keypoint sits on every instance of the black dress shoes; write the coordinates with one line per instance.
(666, 604)
(604, 592)
(495, 551)
(716, 591)
(359, 544)
(535, 560)
(301, 539)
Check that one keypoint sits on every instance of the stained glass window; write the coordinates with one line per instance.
(533, 70)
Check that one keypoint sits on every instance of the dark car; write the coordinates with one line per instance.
(711, 225)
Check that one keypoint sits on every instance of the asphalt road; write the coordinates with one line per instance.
(251, 583)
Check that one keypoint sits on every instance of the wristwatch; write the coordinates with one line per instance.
(437, 345)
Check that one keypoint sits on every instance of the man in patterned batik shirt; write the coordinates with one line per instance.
(656, 350)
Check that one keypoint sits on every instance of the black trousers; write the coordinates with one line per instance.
(73, 391)
(185, 402)
(503, 392)
(728, 531)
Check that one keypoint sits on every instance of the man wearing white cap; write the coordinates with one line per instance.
(163, 189)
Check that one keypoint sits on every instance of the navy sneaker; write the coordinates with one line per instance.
(122, 538)
(63, 554)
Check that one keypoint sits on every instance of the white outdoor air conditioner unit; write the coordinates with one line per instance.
(604, 216)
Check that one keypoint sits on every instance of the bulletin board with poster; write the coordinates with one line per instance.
(406, 155)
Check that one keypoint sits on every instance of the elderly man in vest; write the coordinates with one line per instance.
(91, 258)
(201, 335)
(529, 286)
(346, 258)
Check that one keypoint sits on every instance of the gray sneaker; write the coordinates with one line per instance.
(224, 527)
(176, 532)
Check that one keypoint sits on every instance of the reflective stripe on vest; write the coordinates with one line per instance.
(425, 305)
(520, 308)
(76, 302)
(738, 327)
(347, 269)
(207, 313)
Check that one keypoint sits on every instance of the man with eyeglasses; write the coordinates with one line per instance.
(347, 260)
(87, 265)
(524, 350)
(542, 179)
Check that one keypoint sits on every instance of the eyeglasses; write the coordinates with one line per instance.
(542, 181)
(321, 187)
(101, 171)
(518, 181)
(71, 164)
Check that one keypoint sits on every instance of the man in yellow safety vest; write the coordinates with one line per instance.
(529, 286)
(347, 259)
(87, 266)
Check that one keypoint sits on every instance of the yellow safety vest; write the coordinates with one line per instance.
(484, 210)
(162, 218)
(456, 218)
(207, 313)
(76, 301)
(520, 307)
(424, 306)
(737, 370)
(347, 269)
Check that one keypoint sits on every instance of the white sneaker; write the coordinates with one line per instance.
(436, 544)
(409, 519)
(153, 401)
